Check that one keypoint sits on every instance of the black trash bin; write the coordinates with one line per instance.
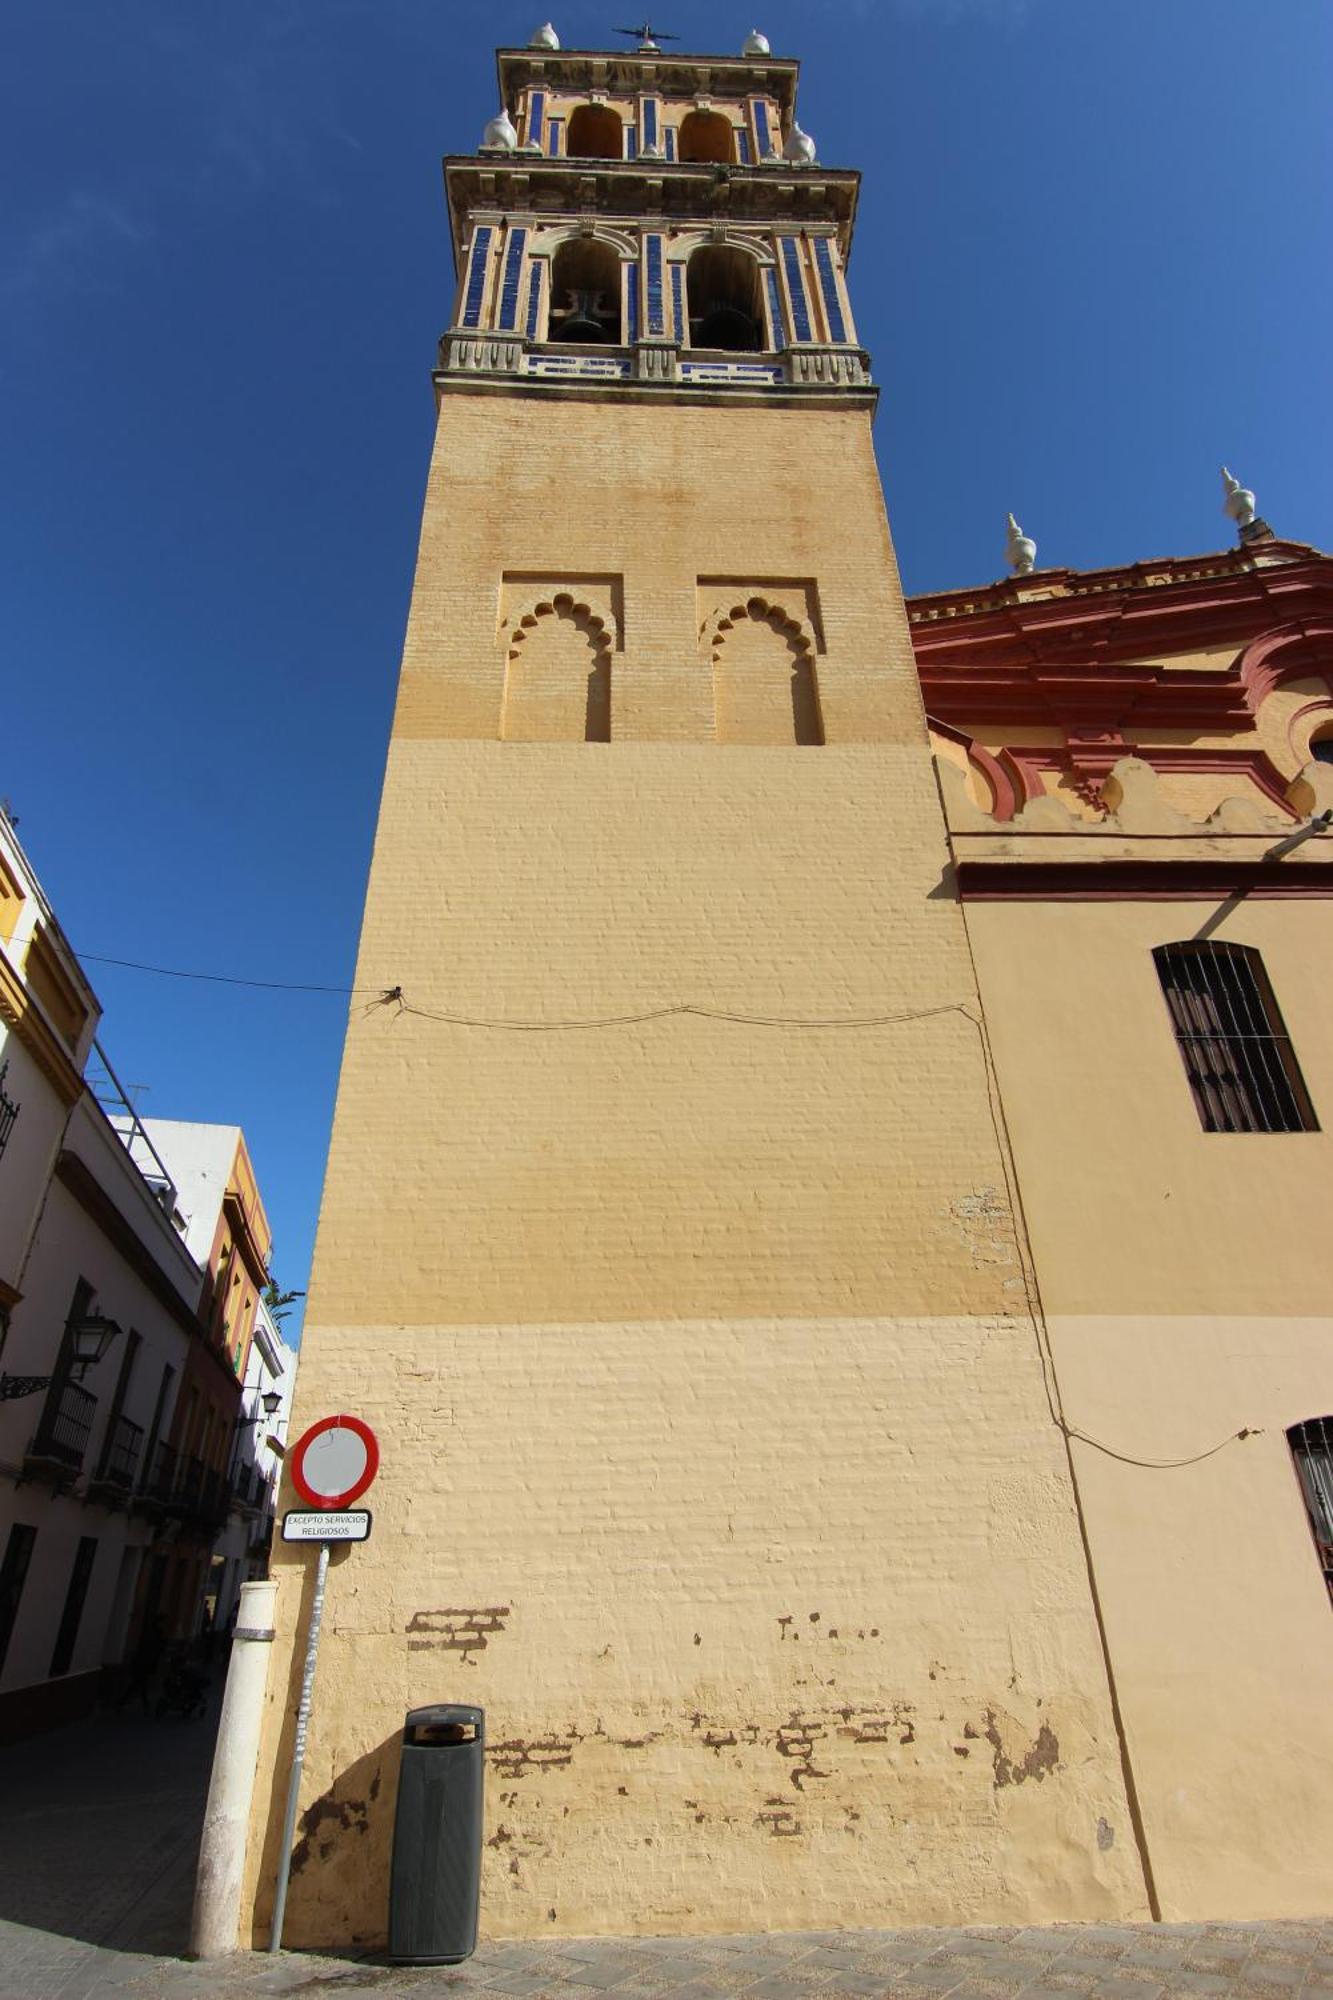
(435, 1880)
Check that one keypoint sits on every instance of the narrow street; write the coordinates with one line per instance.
(99, 1833)
(99, 1830)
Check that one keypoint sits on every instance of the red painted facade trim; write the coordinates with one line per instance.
(1138, 881)
(1089, 652)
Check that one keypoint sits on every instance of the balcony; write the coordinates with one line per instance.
(120, 1459)
(660, 361)
(66, 1425)
(160, 1480)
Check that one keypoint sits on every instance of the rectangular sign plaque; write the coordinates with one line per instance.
(349, 1524)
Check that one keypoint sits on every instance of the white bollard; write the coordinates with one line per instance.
(217, 1889)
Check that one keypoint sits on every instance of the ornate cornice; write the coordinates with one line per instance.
(19, 1011)
(648, 193)
(1097, 648)
(625, 72)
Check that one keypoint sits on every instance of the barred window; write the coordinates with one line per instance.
(1312, 1448)
(1238, 1056)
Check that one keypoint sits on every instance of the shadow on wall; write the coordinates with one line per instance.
(343, 1838)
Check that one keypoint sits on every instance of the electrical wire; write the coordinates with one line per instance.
(393, 996)
(220, 978)
(668, 1012)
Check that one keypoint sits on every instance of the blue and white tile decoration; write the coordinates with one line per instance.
(513, 273)
(800, 310)
(828, 285)
(476, 275)
(777, 317)
(653, 258)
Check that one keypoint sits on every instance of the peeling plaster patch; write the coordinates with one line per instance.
(456, 1630)
(1105, 1835)
(515, 1757)
(797, 1738)
(779, 1819)
(878, 1725)
(983, 1221)
(1043, 1757)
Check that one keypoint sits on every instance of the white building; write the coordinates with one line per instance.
(91, 1262)
(134, 1348)
(241, 1551)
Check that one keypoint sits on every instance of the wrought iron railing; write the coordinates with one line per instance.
(120, 1461)
(161, 1481)
(66, 1426)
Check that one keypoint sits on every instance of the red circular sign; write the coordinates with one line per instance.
(334, 1462)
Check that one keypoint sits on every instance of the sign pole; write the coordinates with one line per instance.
(298, 1748)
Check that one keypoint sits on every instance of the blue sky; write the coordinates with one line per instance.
(1092, 261)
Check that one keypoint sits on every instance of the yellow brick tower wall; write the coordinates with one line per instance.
(717, 1464)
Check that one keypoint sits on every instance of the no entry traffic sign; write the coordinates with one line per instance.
(334, 1462)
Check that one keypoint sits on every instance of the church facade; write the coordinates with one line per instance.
(796, 1238)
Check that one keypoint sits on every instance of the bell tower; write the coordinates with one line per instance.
(666, 1238)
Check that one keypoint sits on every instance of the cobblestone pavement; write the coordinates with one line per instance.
(99, 1826)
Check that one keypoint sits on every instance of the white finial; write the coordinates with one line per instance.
(545, 37)
(799, 150)
(499, 136)
(1239, 501)
(755, 44)
(1020, 551)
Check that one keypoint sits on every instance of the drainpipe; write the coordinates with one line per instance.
(217, 1890)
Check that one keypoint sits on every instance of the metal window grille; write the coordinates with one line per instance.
(1312, 1448)
(1238, 1056)
(122, 1453)
(68, 1426)
(162, 1484)
(9, 1111)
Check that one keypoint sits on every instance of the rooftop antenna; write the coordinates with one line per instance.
(648, 37)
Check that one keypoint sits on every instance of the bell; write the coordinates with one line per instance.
(580, 321)
(726, 327)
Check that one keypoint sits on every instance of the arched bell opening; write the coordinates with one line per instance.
(725, 309)
(706, 135)
(585, 293)
(595, 132)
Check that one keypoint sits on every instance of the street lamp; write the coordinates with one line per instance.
(270, 1399)
(89, 1339)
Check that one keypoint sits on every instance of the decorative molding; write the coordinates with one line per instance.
(673, 191)
(656, 361)
(19, 1011)
(1291, 652)
(489, 353)
(830, 367)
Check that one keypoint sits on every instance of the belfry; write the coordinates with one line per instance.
(668, 1239)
